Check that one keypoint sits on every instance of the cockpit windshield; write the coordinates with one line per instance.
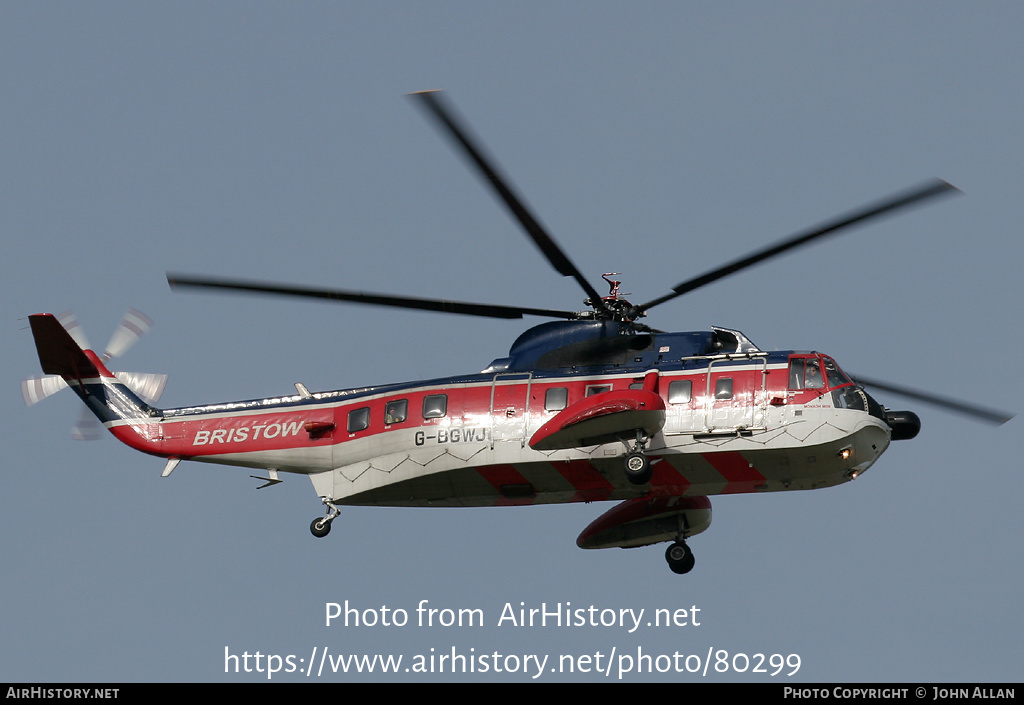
(836, 377)
(821, 373)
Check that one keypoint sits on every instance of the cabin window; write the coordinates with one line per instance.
(598, 388)
(396, 411)
(680, 391)
(556, 399)
(435, 406)
(723, 388)
(359, 419)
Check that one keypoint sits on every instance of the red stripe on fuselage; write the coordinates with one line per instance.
(590, 485)
(247, 433)
(506, 476)
(737, 470)
(667, 480)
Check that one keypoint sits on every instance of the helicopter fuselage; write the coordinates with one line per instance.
(735, 419)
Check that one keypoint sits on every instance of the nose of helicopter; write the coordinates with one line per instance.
(865, 446)
(904, 424)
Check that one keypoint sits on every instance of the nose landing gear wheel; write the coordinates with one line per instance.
(320, 527)
(680, 558)
(638, 468)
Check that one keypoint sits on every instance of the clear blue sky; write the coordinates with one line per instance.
(659, 139)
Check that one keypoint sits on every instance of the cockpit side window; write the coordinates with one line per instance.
(805, 373)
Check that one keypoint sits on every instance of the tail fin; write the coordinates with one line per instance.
(106, 396)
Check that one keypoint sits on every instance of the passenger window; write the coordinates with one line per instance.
(359, 419)
(680, 391)
(723, 388)
(435, 406)
(396, 411)
(556, 399)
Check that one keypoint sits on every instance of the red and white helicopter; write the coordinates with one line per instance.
(595, 406)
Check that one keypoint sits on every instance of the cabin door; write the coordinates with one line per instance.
(510, 407)
(736, 396)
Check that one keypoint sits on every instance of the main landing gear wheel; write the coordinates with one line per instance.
(680, 558)
(637, 465)
(638, 468)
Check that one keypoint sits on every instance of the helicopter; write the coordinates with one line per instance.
(593, 406)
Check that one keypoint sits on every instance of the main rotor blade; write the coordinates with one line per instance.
(930, 189)
(990, 415)
(437, 106)
(440, 305)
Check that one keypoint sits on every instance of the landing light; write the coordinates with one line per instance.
(846, 453)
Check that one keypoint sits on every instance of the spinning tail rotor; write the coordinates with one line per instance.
(148, 386)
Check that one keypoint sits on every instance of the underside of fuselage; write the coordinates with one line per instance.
(798, 457)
